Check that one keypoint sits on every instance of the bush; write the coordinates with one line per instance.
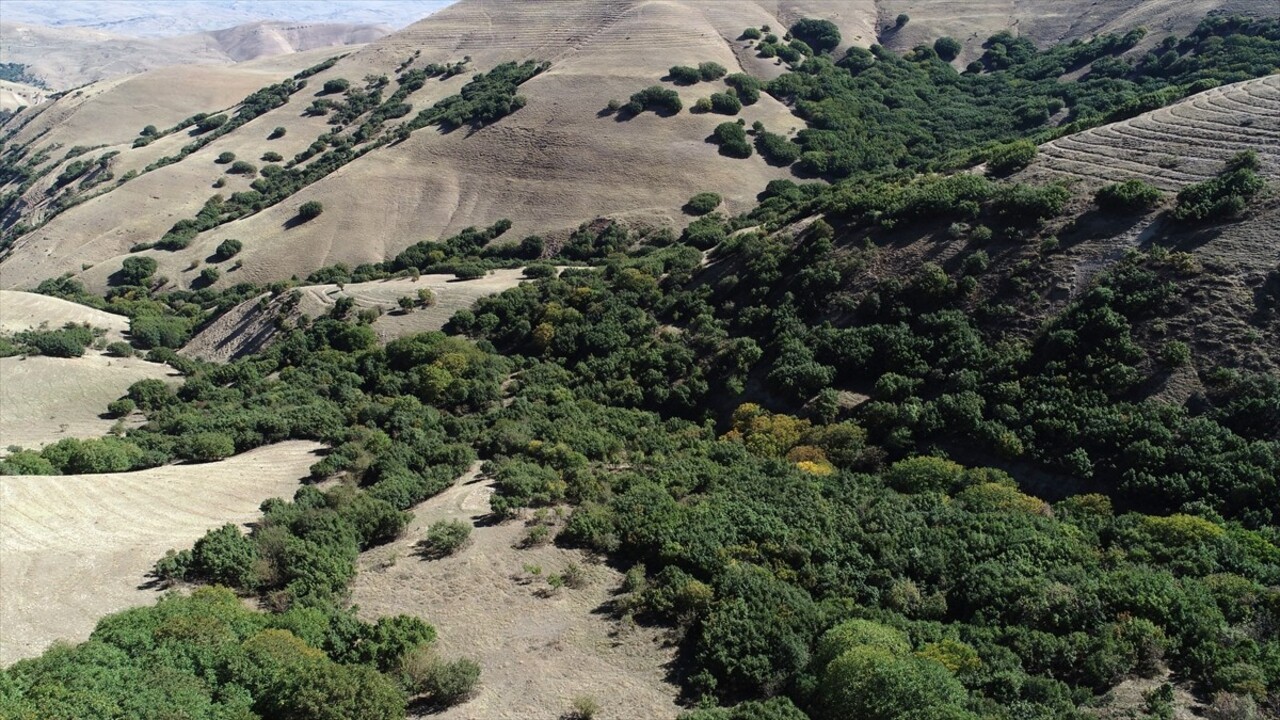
(155, 331)
(67, 342)
(725, 103)
(469, 272)
(702, 203)
(212, 122)
(277, 133)
(684, 75)
(732, 139)
(207, 446)
(121, 408)
(224, 158)
(228, 249)
(445, 537)
(442, 683)
(656, 98)
(709, 71)
(745, 87)
(1225, 196)
(209, 276)
(750, 34)
(948, 48)
(272, 156)
(120, 348)
(776, 149)
(540, 270)
(584, 707)
(337, 85)
(1128, 197)
(705, 232)
(820, 35)
(137, 270)
(1011, 157)
(310, 210)
(241, 167)
(902, 20)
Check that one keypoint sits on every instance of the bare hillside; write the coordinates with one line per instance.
(77, 547)
(555, 163)
(71, 57)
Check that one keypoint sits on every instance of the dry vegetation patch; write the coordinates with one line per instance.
(539, 647)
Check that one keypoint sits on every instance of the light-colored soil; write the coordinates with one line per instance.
(251, 326)
(77, 547)
(550, 166)
(25, 311)
(1172, 147)
(45, 399)
(69, 57)
(538, 650)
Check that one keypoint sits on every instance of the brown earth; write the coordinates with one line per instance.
(552, 165)
(78, 547)
(69, 57)
(538, 649)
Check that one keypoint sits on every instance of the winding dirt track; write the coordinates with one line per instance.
(74, 548)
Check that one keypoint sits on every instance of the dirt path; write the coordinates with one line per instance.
(537, 652)
(74, 548)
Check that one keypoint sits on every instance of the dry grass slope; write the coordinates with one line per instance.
(552, 165)
(538, 650)
(1174, 146)
(68, 57)
(78, 547)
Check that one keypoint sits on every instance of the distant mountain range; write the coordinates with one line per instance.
(180, 17)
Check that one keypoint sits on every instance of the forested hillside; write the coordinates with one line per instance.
(918, 435)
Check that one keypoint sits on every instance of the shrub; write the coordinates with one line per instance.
(228, 249)
(137, 270)
(702, 203)
(337, 85)
(725, 103)
(684, 75)
(656, 98)
(539, 270)
(732, 139)
(750, 34)
(154, 331)
(902, 20)
(1127, 197)
(277, 133)
(776, 149)
(821, 35)
(310, 210)
(705, 232)
(469, 272)
(149, 131)
(212, 122)
(583, 707)
(1011, 157)
(272, 156)
(241, 167)
(745, 87)
(1223, 197)
(948, 48)
(209, 276)
(120, 348)
(709, 71)
(121, 408)
(224, 158)
(444, 537)
(207, 446)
